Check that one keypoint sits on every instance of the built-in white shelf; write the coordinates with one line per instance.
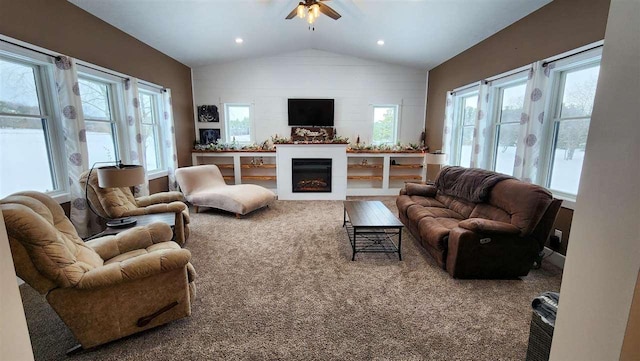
(363, 174)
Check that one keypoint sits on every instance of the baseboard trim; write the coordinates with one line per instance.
(554, 257)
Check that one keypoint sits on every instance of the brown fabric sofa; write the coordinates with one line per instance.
(479, 224)
(111, 203)
(104, 289)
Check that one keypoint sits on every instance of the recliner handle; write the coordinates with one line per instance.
(143, 321)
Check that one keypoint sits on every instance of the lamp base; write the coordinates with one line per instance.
(121, 222)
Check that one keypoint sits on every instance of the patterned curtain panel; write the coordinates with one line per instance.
(447, 131)
(482, 129)
(75, 139)
(134, 133)
(169, 139)
(531, 124)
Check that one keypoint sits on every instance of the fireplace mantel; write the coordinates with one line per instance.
(336, 152)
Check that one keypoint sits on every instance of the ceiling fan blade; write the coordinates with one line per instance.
(325, 9)
(292, 14)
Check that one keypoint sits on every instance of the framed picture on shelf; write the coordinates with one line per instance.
(208, 113)
(208, 136)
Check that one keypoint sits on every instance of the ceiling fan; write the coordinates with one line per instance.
(311, 9)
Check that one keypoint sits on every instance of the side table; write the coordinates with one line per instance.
(143, 220)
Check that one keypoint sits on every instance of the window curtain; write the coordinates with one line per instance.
(482, 129)
(447, 131)
(75, 140)
(167, 129)
(134, 131)
(527, 158)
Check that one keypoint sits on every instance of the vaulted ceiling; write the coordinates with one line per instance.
(416, 33)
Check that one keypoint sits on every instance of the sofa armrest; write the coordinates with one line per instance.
(141, 237)
(139, 267)
(173, 207)
(482, 225)
(476, 255)
(416, 189)
(162, 197)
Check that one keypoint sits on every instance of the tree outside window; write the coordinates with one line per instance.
(572, 116)
(238, 122)
(385, 123)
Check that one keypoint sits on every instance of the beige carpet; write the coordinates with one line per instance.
(280, 284)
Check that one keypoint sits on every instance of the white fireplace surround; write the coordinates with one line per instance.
(336, 152)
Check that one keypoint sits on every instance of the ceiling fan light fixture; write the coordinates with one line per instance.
(301, 10)
(310, 18)
(315, 9)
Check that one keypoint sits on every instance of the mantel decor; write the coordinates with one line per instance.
(312, 134)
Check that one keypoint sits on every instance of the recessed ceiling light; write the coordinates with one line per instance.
(380, 42)
(239, 41)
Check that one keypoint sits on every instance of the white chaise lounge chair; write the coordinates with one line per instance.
(204, 186)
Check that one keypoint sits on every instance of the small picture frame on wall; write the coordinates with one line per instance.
(209, 136)
(208, 113)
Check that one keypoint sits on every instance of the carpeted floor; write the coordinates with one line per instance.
(280, 284)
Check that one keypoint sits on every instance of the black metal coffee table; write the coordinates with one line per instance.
(371, 227)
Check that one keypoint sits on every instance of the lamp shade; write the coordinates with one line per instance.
(436, 158)
(120, 176)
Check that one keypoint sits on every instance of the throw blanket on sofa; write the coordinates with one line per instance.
(472, 184)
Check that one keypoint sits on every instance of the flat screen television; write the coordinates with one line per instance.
(311, 112)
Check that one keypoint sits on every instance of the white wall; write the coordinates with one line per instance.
(354, 83)
(603, 257)
(14, 335)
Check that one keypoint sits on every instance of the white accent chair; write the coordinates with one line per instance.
(204, 186)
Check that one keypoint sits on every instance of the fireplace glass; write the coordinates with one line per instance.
(311, 175)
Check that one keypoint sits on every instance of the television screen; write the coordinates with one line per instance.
(311, 112)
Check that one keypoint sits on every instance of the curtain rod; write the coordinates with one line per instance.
(465, 87)
(545, 63)
(507, 74)
(30, 49)
(85, 64)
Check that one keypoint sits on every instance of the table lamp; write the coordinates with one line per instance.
(436, 158)
(119, 175)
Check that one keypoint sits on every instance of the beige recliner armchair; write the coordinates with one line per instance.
(104, 289)
(111, 203)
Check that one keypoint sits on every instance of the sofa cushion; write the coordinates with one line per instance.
(404, 202)
(424, 190)
(435, 231)
(525, 202)
(488, 211)
(415, 214)
(462, 207)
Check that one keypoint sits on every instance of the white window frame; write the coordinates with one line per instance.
(458, 122)
(45, 86)
(552, 110)
(116, 103)
(157, 129)
(497, 91)
(252, 129)
(396, 122)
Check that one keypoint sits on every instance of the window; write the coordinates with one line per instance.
(238, 123)
(385, 124)
(465, 112)
(98, 108)
(150, 109)
(27, 129)
(509, 104)
(571, 106)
